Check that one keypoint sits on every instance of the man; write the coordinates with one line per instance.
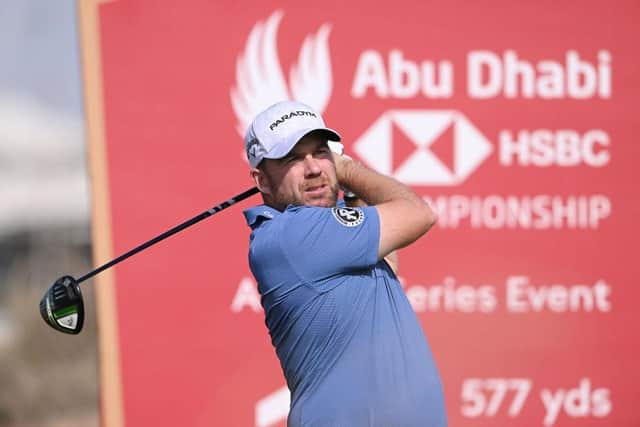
(349, 343)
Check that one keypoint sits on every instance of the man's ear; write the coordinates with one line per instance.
(258, 176)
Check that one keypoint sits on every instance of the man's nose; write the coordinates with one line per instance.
(311, 165)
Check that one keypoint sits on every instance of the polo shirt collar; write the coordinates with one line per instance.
(256, 213)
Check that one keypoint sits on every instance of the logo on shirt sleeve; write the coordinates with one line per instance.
(349, 217)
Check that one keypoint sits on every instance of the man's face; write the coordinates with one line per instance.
(305, 176)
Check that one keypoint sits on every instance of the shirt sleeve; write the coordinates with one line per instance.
(322, 242)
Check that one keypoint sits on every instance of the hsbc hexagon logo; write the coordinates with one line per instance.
(424, 147)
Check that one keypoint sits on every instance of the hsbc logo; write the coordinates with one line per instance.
(424, 147)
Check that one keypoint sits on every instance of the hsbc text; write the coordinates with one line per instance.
(539, 212)
(544, 147)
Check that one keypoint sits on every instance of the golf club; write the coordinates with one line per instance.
(62, 306)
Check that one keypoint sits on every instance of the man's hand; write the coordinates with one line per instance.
(340, 160)
(338, 157)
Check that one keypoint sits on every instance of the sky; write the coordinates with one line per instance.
(39, 52)
(43, 178)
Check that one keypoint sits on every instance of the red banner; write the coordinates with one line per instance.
(515, 120)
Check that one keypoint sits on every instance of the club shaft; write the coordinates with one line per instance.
(171, 232)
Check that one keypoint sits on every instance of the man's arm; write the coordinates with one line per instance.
(392, 257)
(404, 216)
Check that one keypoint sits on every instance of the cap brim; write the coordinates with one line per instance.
(281, 150)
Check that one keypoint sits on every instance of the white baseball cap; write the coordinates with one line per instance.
(276, 130)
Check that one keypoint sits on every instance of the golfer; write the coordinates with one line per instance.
(350, 346)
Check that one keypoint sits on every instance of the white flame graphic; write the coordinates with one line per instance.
(259, 78)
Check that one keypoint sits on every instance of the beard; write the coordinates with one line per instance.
(328, 197)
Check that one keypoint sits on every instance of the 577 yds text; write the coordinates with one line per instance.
(492, 397)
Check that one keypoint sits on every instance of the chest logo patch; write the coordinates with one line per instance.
(349, 217)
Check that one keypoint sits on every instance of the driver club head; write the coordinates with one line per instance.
(62, 307)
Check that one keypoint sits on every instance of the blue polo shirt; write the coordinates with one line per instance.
(350, 345)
